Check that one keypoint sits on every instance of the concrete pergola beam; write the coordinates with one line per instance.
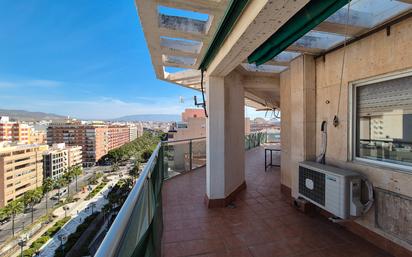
(262, 103)
(201, 6)
(178, 61)
(181, 45)
(181, 75)
(182, 24)
(166, 32)
(148, 17)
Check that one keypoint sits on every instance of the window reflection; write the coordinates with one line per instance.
(384, 121)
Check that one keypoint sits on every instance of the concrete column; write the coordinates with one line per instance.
(298, 102)
(215, 134)
(225, 170)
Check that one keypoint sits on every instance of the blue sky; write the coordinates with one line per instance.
(83, 58)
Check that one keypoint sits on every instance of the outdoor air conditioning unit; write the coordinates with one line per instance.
(335, 190)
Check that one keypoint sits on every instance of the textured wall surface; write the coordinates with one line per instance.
(393, 214)
(376, 55)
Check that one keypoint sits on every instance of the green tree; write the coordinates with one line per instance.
(134, 172)
(107, 209)
(115, 167)
(68, 176)
(3, 213)
(12, 209)
(30, 198)
(59, 184)
(48, 185)
(146, 154)
(76, 172)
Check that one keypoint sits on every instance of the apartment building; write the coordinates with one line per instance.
(55, 161)
(192, 113)
(21, 169)
(74, 154)
(93, 138)
(118, 135)
(193, 125)
(135, 131)
(38, 137)
(59, 158)
(14, 131)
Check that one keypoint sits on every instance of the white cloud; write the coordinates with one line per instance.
(5, 84)
(31, 83)
(102, 107)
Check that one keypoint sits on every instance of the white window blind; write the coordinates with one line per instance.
(384, 97)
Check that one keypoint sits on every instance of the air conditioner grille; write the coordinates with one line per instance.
(316, 194)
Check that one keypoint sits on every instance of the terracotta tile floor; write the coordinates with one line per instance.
(262, 224)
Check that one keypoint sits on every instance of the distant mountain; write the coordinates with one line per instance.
(22, 115)
(149, 117)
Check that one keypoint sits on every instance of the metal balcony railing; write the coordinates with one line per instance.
(255, 139)
(184, 155)
(137, 229)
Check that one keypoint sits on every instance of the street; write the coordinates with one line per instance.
(24, 219)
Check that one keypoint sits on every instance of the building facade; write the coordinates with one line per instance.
(93, 138)
(74, 154)
(133, 132)
(192, 113)
(38, 137)
(55, 161)
(14, 131)
(118, 135)
(21, 169)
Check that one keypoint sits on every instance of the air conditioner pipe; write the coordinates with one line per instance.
(368, 205)
(321, 157)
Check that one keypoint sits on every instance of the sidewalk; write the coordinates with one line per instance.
(78, 211)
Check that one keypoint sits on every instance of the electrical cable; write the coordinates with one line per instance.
(203, 92)
(336, 118)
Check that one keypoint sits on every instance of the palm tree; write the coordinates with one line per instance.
(76, 171)
(30, 198)
(60, 182)
(68, 176)
(12, 209)
(48, 185)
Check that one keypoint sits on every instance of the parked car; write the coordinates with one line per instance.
(4, 220)
(59, 194)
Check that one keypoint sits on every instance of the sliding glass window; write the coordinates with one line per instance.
(383, 121)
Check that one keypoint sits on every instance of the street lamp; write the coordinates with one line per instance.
(62, 237)
(65, 208)
(22, 243)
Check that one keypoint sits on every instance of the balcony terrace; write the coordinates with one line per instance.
(333, 68)
(260, 223)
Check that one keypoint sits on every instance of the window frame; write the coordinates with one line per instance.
(352, 129)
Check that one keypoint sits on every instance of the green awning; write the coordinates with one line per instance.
(233, 12)
(314, 12)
